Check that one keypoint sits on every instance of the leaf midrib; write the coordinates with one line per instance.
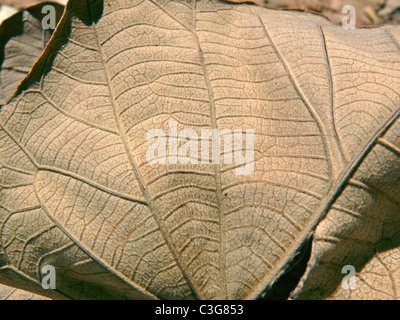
(217, 167)
(128, 150)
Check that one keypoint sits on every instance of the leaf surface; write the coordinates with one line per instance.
(78, 192)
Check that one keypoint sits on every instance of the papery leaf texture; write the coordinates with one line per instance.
(77, 190)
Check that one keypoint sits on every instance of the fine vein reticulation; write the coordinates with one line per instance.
(77, 191)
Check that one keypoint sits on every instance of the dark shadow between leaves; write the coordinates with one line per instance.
(288, 281)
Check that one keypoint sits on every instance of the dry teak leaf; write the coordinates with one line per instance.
(78, 193)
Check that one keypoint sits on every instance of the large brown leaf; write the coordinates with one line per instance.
(77, 191)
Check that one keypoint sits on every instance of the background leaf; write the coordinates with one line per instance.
(22, 41)
(378, 280)
(9, 293)
(22, 4)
